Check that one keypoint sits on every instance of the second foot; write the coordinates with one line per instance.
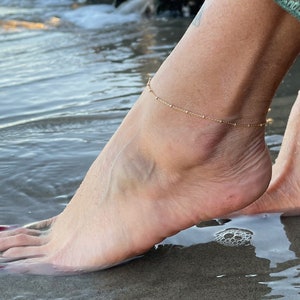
(283, 194)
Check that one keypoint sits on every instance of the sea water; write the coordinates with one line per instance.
(64, 89)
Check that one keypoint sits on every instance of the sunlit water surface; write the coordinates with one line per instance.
(63, 92)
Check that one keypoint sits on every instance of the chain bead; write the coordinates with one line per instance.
(201, 116)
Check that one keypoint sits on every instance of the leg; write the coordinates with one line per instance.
(163, 170)
(283, 192)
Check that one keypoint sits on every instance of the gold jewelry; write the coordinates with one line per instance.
(201, 116)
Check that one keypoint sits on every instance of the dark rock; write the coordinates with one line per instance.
(173, 8)
(194, 6)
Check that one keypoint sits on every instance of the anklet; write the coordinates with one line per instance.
(200, 116)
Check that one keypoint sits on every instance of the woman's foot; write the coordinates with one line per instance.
(162, 171)
(283, 194)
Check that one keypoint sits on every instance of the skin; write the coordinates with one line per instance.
(282, 195)
(163, 170)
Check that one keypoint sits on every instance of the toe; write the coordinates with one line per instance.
(36, 266)
(41, 225)
(20, 230)
(21, 253)
(20, 240)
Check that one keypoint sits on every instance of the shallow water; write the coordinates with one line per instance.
(64, 91)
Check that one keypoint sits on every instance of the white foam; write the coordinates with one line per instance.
(137, 6)
(234, 237)
(98, 16)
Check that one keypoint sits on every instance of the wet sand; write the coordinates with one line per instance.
(201, 271)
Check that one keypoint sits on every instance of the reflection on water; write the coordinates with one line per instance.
(63, 93)
(266, 242)
(285, 280)
(264, 232)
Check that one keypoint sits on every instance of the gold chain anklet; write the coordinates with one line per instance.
(201, 116)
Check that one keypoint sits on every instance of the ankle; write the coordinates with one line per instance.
(247, 123)
(178, 140)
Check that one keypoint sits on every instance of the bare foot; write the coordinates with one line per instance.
(164, 170)
(161, 172)
(283, 194)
